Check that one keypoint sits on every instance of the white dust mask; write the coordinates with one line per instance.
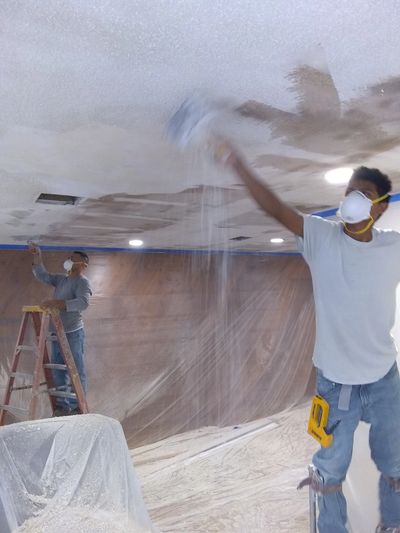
(356, 207)
(68, 264)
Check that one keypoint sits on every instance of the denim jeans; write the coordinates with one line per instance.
(76, 341)
(378, 404)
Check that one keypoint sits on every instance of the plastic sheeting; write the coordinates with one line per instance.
(71, 474)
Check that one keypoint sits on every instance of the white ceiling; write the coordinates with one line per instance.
(87, 86)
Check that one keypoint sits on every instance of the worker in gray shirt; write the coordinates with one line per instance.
(71, 297)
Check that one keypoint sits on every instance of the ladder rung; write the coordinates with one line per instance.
(25, 348)
(61, 394)
(25, 387)
(55, 366)
(14, 410)
(22, 375)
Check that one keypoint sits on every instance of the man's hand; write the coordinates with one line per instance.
(36, 252)
(225, 153)
(34, 248)
(54, 304)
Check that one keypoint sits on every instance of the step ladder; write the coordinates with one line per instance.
(40, 318)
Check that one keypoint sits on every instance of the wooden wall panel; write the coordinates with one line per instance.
(180, 341)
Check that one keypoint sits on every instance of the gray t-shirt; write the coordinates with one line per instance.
(355, 300)
(74, 290)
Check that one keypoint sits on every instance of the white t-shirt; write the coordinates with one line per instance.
(355, 300)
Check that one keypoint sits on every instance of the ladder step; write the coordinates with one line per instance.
(61, 394)
(22, 375)
(55, 366)
(25, 387)
(26, 348)
(14, 410)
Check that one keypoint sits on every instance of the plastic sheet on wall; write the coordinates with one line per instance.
(70, 474)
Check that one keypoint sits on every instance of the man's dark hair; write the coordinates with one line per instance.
(381, 181)
(84, 256)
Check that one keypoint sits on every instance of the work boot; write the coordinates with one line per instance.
(75, 411)
(60, 411)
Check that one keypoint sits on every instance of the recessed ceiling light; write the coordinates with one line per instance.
(240, 238)
(339, 176)
(136, 243)
(276, 240)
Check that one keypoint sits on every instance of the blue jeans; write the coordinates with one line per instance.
(379, 405)
(76, 341)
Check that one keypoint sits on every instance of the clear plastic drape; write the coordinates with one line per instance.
(69, 474)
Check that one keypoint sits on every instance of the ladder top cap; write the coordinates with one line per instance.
(33, 309)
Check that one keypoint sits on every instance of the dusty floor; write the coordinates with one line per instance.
(231, 479)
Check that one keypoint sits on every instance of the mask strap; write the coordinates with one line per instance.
(371, 221)
(383, 197)
(369, 224)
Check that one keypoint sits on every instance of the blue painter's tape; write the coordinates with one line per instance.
(326, 213)
(144, 250)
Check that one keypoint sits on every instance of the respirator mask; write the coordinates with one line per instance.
(68, 264)
(356, 207)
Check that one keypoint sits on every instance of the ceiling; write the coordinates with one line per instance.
(87, 87)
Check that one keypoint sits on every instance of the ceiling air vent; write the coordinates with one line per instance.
(57, 199)
(240, 238)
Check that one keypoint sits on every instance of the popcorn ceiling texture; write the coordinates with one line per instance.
(86, 88)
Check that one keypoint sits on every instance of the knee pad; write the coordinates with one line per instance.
(382, 529)
(394, 483)
(316, 483)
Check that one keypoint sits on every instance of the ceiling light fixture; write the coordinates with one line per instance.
(136, 243)
(339, 176)
(277, 240)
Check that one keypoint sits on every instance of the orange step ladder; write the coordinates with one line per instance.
(40, 319)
